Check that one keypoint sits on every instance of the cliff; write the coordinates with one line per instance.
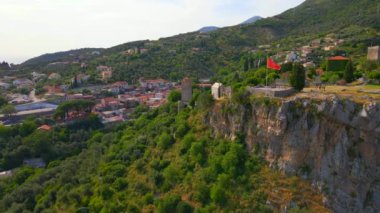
(333, 143)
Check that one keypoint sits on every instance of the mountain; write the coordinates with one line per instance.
(208, 29)
(204, 54)
(251, 20)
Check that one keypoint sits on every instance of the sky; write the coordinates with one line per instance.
(29, 28)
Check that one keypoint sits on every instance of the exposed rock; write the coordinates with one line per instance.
(334, 143)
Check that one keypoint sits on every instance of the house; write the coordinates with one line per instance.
(46, 128)
(329, 48)
(23, 83)
(374, 54)
(119, 87)
(103, 68)
(153, 83)
(54, 76)
(292, 57)
(306, 50)
(53, 89)
(80, 79)
(5, 86)
(337, 63)
(37, 76)
(316, 43)
(106, 75)
(309, 65)
(216, 91)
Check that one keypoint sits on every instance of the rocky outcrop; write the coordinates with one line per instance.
(334, 143)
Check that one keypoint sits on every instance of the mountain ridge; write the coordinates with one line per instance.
(193, 53)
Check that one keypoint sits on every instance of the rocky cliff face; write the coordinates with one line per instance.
(334, 143)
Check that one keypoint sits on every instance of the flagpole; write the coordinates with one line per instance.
(266, 75)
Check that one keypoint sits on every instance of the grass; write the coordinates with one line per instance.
(360, 94)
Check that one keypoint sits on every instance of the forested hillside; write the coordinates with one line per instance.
(204, 54)
(164, 161)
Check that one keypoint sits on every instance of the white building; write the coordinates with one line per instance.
(216, 90)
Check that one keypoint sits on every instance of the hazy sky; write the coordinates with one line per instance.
(29, 28)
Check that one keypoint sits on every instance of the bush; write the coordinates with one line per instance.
(165, 141)
(374, 75)
(174, 96)
(205, 101)
(333, 78)
(184, 207)
(169, 204)
(218, 195)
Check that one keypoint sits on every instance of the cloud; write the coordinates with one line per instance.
(33, 27)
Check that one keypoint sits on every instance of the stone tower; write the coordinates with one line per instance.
(374, 54)
(187, 90)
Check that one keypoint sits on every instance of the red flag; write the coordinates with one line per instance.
(273, 65)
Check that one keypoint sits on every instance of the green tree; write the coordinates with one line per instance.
(164, 141)
(205, 100)
(297, 78)
(218, 195)
(349, 72)
(174, 96)
(8, 110)
(3, 101)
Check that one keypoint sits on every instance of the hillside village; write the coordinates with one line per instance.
(41, 93)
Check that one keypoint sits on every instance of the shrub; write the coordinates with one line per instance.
(165, 141)
(174, 96)
(218, 195)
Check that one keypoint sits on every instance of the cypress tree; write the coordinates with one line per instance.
(297, 78)
(349, 72)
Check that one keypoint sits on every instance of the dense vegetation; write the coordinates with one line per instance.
(163, 161)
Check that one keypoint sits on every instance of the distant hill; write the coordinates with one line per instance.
(208, 29)
(204, 54)
(251, 20)
(69, 55)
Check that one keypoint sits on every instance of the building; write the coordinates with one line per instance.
(374, 54)
(103, 68)
(216, 91)
(219, 91)
(337, 63)
(54, 76)
(80, 79)
(106, 75)
(187, 90)
(53, 89)
(152, 83)
(309, 65)
(46, 128)
(23, 83)
(118, 87)
(4, 86)
(292, 57)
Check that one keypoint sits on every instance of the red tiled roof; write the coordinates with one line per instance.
(45, 127)
(338, 58)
